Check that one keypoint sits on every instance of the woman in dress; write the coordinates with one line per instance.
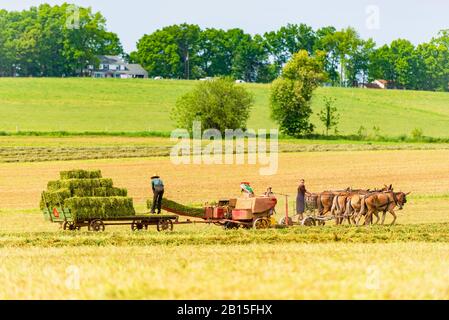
(300, 198)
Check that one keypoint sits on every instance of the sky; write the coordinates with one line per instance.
(382, 20)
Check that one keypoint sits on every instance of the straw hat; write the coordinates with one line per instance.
(155, 176)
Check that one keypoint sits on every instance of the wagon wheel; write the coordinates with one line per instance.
(96, 225)
(308, 222)
(261, 223)
(137, 225)
(164, 225)
(68, 225)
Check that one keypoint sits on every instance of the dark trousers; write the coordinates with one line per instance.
(157, 201)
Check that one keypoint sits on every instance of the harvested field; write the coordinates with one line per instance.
(334, 271)
(75, 148)
(406, 261)
(421, 172)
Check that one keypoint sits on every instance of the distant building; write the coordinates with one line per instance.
(116, 67)
(377, 84)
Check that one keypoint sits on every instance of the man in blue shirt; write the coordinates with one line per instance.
(158, 191)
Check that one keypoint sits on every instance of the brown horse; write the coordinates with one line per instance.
(339, 205)
(322, 201)
(353, 203)
(382, 202)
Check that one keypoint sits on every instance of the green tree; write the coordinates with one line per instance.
(291, 93)
(250, 61)
(38, 41)
(399, 63)
(329, 115)
(288, 40)
(171, 52)
(218, 104)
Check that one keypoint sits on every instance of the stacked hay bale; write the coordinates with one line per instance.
(87, 195)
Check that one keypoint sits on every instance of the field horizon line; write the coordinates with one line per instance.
(167, 134)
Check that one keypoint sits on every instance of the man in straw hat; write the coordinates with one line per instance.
(158, 191)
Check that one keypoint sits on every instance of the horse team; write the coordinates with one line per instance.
(353, 205)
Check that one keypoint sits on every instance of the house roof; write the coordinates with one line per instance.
(111, 60)
(136, 69)
(382, 81)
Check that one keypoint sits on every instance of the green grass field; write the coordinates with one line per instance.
(78, 105)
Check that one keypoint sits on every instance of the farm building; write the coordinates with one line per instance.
(116, 67)
(377, 84)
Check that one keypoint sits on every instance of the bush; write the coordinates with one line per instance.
(417, 134)
(218, 104)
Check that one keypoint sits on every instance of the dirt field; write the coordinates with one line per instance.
(418, 171)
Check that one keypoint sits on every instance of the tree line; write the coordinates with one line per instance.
(53, 41)
(187, 51)
(40, 42)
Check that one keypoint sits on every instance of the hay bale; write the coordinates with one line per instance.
(177, 207)
(54, 198)
(109, 192)
(87, 195)
(81, 185)
(80, 174)
(99, 207)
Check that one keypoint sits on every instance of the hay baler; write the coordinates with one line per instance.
(247, 212)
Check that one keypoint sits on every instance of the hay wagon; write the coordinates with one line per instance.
(65, 218)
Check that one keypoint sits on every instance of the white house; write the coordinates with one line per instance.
(116, 67)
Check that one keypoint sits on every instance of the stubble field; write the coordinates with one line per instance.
(409, 260)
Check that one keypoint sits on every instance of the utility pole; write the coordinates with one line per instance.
(187, 66)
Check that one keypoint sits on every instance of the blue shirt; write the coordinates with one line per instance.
(157, 182)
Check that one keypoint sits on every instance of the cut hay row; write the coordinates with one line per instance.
(179, 208)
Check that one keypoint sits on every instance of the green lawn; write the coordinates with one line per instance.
(140, 105)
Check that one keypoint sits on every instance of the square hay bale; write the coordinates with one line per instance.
(83, 186)
(109, 192)
(187, 210)
(99, 207)
(54, 199)
(80, 174)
